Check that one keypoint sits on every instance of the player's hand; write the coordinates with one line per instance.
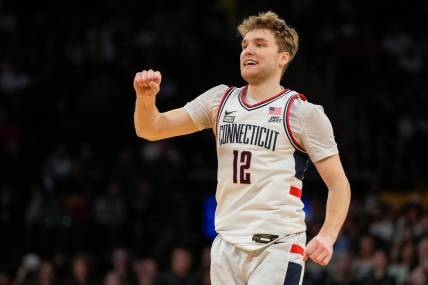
(147, 83)
(319, 250)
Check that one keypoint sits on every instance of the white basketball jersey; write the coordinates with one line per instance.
(260, 169)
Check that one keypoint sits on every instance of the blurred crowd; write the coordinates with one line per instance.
(78, 188)
(118, 268)
(379, 244)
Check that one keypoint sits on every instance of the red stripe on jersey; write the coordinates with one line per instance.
(244, 97)
(303, 97)
(295, 248)
(296, 191)
(287, 120)
(221, 104)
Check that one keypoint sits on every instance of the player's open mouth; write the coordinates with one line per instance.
(250, 62)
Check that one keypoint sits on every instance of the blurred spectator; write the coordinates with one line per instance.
(28, 269)
(382, 225)
(362, 262)
(420, 274)
(340, 272)
(121, 264)
(378, 275)
(112, 278)
(401, 269)
(110, 214)
(180, 271)
(80, 271)
(110, 207)
(59, 261)
(418, 277)
(146, 271)
(46, 274)
(422, 225)
(406, 224)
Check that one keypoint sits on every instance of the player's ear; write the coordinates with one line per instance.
(284, 58)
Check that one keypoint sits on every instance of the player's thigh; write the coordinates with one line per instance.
(279, 267)
(222, 267)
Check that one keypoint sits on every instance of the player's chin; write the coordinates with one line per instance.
(249, 75)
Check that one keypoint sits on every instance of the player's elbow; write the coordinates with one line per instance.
(345, 186)
(344, 182)
(348, 187)
(146, 135)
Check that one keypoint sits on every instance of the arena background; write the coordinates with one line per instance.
(78, 188)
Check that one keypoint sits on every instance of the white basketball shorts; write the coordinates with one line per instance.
(278, 263)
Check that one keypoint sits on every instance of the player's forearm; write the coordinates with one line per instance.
(339, 196)
(146, 118)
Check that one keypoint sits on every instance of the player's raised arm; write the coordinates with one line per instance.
(148, 121)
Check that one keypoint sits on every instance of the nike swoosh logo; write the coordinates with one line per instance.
(228, 113)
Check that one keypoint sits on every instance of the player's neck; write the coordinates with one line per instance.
(264, 90)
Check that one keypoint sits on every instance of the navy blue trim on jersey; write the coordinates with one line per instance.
(285, 123)
(301, 164)
(261, 103)
(222, 104)
(292, 276)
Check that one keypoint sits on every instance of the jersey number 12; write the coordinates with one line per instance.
(243, 161)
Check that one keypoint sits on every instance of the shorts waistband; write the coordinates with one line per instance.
(268, 238)
(264, 238)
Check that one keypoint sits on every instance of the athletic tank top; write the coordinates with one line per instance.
(260, 169)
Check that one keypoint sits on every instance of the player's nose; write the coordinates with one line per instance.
(248, 51)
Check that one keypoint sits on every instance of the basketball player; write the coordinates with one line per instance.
(265, 135)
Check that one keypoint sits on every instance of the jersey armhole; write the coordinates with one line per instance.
(294, 142)
(220, 106)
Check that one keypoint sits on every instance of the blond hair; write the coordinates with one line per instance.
(286, 37)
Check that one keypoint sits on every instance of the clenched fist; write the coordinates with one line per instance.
(320, 250)
(147, 83)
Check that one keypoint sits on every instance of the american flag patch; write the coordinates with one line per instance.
(276, 111)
